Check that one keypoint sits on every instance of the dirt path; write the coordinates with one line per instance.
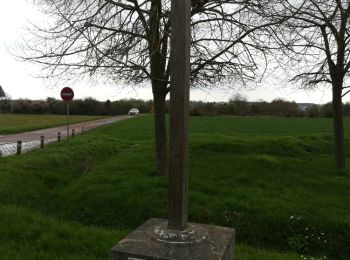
(51, 133)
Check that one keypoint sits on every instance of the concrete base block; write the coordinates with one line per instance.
(141, 244)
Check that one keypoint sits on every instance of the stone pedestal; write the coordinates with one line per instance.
(147, 243)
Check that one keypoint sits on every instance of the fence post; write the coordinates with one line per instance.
(82, 131)
(73, 133)
(42, 141)
(19, 147)
(59, 136)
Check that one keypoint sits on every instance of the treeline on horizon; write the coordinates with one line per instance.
(91, 106)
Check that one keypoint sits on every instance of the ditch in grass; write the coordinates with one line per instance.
(280, 192)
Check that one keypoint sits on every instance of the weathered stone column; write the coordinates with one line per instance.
(179, 104)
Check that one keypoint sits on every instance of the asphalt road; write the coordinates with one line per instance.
(51, 133)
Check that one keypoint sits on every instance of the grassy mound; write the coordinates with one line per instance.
(26, 234)
(279, 191)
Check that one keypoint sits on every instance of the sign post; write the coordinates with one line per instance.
(67, 95)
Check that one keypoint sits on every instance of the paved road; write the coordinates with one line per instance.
(51, 133)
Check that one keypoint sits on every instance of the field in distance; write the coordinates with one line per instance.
(272, 179)
(14, 123)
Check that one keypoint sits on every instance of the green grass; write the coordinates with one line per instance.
(27, 234)
(244, 252)
(264, 126)
(274, 183)
(13, 123)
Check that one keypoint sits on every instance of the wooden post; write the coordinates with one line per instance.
(42, 141)
(73, 133)
(82, 131)
(59, 136)
(19, 147)
(179, 104)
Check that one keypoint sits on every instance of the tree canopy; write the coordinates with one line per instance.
(118, 38)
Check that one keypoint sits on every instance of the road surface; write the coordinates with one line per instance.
(51, 133)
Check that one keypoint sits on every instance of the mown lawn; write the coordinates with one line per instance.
(13, 123)
(274, 183)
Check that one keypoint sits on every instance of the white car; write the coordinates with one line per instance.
(133, 112)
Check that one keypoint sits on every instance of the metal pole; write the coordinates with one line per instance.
(179, 107)
(67, 120)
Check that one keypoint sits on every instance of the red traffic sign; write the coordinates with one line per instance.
(67, 94)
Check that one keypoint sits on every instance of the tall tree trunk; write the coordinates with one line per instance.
(338, 128)
(159, 87)
(161, 140)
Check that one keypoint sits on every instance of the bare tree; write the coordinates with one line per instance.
(129, 40)
(316, 41)
(240, 103)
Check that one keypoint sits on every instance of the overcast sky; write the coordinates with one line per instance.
(18, 81)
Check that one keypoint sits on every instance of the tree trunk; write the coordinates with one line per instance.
(338, 128)
(160, 133)
(159, 87)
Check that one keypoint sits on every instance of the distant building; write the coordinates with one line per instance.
(305, 106)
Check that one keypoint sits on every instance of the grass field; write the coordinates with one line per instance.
(13, 123)
(270, 178)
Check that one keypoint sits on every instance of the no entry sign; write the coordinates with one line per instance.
(67, 94)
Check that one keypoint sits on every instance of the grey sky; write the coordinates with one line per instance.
(17, 80)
